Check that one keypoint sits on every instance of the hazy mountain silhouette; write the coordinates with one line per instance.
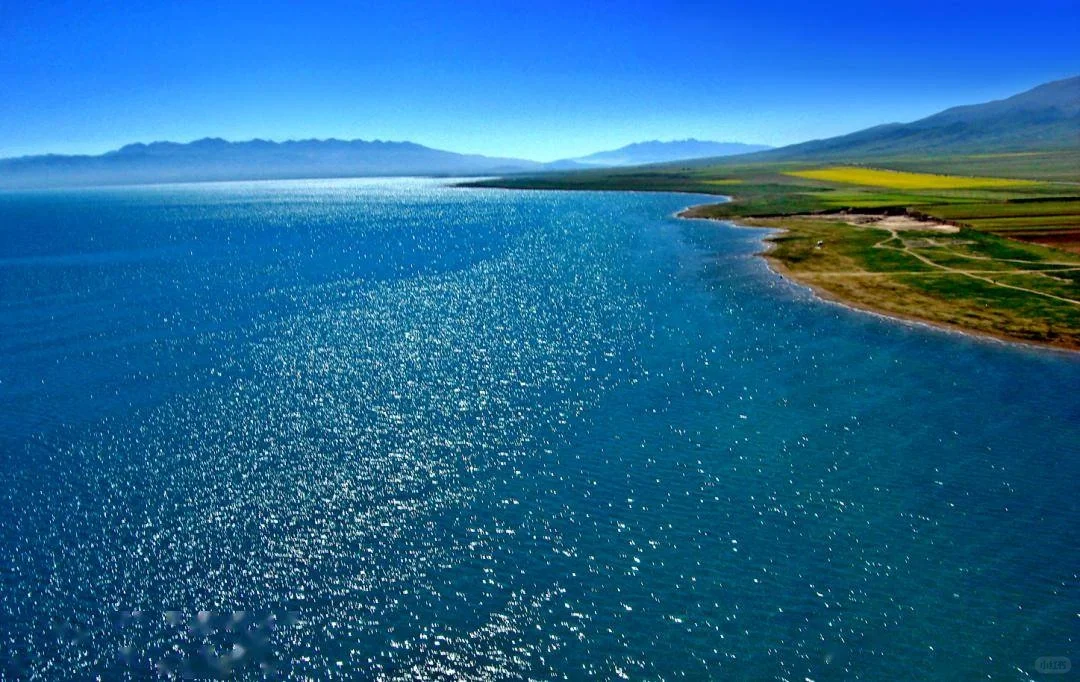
(216, 159)
(656, 151)
(212, 159)
(1044, 118)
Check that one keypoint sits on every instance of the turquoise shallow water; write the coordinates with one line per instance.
(391, 429)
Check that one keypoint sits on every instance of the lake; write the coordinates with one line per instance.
(395, 429)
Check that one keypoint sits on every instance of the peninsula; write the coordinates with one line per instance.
(969, 219)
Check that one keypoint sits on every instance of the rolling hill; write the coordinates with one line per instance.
(655, 151)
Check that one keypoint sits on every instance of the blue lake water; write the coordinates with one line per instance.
(393, 429)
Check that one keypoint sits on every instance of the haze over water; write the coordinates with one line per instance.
(445, 432)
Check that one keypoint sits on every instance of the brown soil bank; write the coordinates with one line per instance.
(931, 272)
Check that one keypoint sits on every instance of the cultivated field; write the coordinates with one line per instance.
(891, 179)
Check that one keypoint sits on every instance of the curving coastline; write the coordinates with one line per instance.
(815, 281)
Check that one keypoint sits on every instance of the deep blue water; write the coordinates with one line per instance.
(412, 431)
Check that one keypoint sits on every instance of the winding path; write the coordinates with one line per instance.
(974, 274)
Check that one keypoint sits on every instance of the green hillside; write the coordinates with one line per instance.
(1042, 119)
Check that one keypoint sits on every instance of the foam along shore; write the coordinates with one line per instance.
(923, 271)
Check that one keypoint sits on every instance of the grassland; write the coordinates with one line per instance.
(991, 243)
(968, 279)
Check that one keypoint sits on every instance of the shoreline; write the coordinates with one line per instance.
(779, 268)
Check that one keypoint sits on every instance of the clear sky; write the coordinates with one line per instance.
(538, 79)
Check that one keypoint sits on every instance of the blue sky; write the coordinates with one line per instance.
(541, 80)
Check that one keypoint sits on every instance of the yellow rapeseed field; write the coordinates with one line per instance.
(901, 180)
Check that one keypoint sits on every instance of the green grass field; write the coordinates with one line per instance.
(968, 279)
(1010, 268)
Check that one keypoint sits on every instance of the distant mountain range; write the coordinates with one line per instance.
(213, 159)
(1044, 118)
(659, 152)
(216, 159)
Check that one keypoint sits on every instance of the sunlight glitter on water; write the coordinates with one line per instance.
(480, 434)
